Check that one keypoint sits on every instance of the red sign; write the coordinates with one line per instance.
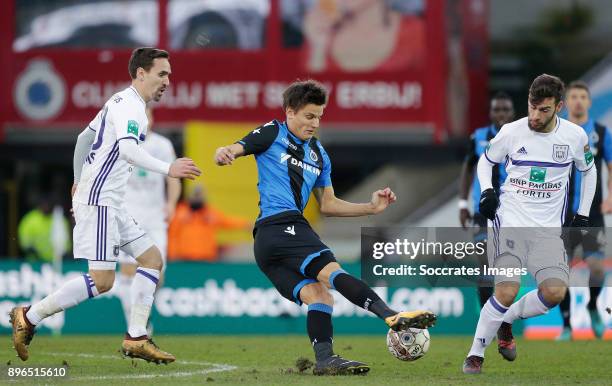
(399, 84)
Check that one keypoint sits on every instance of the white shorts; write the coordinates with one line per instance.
(160, 239)
(102, 231)
(539, 250)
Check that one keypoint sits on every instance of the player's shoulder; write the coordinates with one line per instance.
(570, 129)
(514, 129)
(126, 99)
(481, 130)
(479, 133)
(270, 128)
(603, 127)
(516, 125)
(274, 124)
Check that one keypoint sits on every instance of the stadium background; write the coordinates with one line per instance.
(400, 119)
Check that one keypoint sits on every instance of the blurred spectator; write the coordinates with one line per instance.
(43, 232)
(193, 230)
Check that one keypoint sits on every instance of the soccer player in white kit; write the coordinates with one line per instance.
(104, 157)
(539, 151)
(150, 199)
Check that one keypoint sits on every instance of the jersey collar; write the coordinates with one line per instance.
(296, 139)
(137, 94)
(493, 129)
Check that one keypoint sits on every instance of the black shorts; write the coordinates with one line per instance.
(285, 246)
(593, 243)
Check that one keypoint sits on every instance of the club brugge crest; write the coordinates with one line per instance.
(39, 91)
(560, 153)
(313, 156)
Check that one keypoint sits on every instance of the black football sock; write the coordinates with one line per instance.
(594, 292)
(320, 330)
(358, 293)
(564, 306)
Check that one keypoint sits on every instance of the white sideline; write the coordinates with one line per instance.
(216, 368)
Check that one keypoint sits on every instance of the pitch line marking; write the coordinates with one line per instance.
(216, 368)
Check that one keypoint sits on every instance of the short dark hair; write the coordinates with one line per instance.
(546, 86)
(300, 93)
(143, 57)
(501, 95)
(579, 84)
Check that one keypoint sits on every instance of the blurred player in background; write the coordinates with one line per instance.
(151, 200)
(291, 164)
(104, 154)
(540, 151)
(578, 103)
(501, 111)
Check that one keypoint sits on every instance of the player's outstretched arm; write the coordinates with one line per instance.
(184, 168)
(180, 168)
(332, 206)
(225, 155)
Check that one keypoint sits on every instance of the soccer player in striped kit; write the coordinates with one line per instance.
(539, 151)
(105, 154)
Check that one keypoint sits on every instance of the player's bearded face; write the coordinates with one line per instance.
(157, 78)
(542, 114)
(305, 122)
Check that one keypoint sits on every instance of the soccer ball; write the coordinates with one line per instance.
(408, 345)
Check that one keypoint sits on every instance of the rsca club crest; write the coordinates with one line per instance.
(560, 152)
(39, 92)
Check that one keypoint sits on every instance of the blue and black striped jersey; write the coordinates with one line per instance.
(288, 168)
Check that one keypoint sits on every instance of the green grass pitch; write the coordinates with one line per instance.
(262, 360)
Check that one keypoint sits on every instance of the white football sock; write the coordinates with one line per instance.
(531, 304)
(69, 295)
(124, 293)
(490, 319)
(143, 291)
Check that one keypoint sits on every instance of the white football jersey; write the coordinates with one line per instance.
(145, 198)
(535, 193)
(105, 175)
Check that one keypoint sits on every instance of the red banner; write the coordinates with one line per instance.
(371, 82)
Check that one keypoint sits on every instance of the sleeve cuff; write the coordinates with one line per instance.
(489, 159)
(586, 170)
(135, 139)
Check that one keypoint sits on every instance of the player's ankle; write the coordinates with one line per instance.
(323, 350)
(381, 309)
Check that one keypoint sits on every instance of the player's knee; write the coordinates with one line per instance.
(505, 293)
(103, 281)
(553, 294)
(316, 293)
(324, 274)
(151, 258)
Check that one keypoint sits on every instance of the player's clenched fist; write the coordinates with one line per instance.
(488, 203)
(381, 199)
(224, 156)
(184, 168)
